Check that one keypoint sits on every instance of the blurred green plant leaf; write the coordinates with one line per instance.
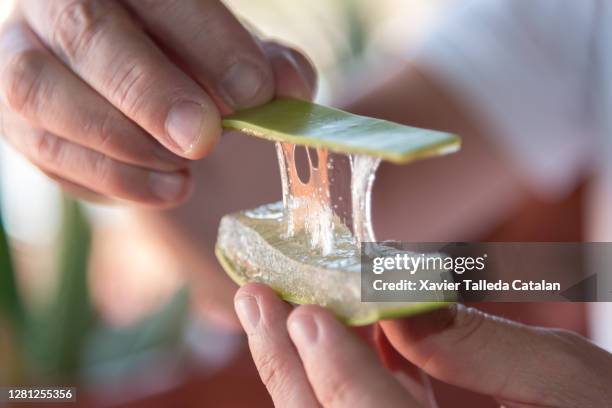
(12, 318)
(113, 352)
(57, 335)
(67, 340)
(357, 29)
(11, 307)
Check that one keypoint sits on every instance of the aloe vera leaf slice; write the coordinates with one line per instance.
(251, 249)
(309, 124)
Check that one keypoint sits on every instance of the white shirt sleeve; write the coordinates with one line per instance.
(525, 68)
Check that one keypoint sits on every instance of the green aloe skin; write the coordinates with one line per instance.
(308, 124)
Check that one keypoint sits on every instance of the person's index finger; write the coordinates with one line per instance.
(263, 316)
(108, 50)
(342, 370)
(219, 52)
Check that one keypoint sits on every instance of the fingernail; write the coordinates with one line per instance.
(247, 309)
(185, 123)
(242, 84)
(305, 70)
(167, 186)
(302, 327)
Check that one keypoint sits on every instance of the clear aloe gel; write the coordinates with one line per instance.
(308, 246)
(311, 206)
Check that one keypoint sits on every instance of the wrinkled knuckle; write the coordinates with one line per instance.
(22, 80)
(130, 89)
(101, 132)
(46, 148)
(76, 27)
(269, 367)
(103, 174)
(336, 393)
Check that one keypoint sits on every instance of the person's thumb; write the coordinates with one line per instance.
(294, 74)
(514, 363)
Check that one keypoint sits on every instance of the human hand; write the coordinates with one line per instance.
(518, 365)
(307, 358)
(110, 98)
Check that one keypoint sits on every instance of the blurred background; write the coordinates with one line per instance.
(89, 296)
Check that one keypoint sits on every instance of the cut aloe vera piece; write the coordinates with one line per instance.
(251, 248)
(256, 246)
(304, 123)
